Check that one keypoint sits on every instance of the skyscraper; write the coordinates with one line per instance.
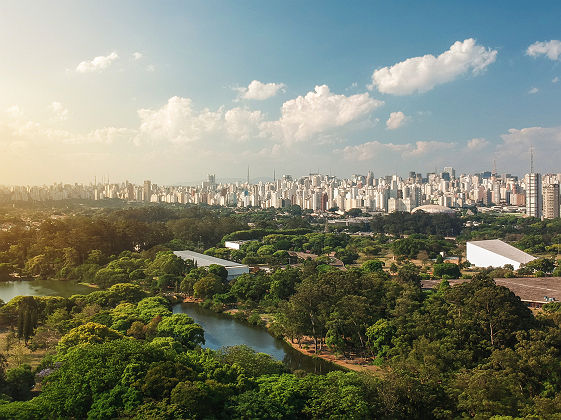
(551, 201)
(147, 191)
(451, 172)
(533, 195)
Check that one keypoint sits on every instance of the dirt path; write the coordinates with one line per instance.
(357, 365)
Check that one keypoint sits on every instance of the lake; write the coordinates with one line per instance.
(35, 287)
(221, 331)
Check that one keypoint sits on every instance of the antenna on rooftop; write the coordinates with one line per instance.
(247, 174)
(494, 166)
(531, 159)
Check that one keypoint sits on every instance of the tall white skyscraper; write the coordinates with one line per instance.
(534, 195)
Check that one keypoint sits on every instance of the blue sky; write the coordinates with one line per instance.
(182, 89)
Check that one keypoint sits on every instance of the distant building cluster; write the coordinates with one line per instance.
(533, 194)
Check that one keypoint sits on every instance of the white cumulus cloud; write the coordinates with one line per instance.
(243, 124)
(555, 79)
(395, 120)
(260, 91)
(533, 90)
(320, 111)
(137, 55)
(308, 117)
(59, 111)
(477, 144)
(421, 74)
(97, 64)
(552, 49)
(178, 122)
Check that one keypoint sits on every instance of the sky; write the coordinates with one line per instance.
(174, 90)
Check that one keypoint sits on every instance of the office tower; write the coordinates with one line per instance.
(533, 195)
(130, 191)
(147, 190)
(451, 172)
(551, 201)
(370, 179)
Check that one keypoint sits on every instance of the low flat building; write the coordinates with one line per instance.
(234, 269)
(235, 244)
(495, 253)
(534, 291)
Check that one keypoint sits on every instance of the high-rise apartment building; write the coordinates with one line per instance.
(551, 201)
(147, 191)
(534, 195)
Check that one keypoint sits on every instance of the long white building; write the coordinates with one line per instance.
(234, 269)
(495, 253)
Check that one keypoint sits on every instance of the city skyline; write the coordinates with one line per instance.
(534, 194)
(174, 91)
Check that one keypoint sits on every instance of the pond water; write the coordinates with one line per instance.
(35, 287)
(221, 331)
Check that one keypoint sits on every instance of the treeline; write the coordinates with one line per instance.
(474, 350)
(53, 247)
(400, 223)
(464, 351)
(272, 248)
(52, 244)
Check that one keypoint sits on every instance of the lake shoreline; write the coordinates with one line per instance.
(354, 364)
(350, 364)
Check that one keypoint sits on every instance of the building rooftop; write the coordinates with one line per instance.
(206, 260)
(530, 289)
(433, 209)
(502, 248)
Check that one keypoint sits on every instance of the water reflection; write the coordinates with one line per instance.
(221, 331)
(11, 289)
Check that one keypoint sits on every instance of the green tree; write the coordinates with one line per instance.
(27, 317)
(207, 287)
(372, 266)
(380, 337)
(89, 333)
(252, 363)
(283, 283)
(166, 262)
(151, 307)
(409, 274)
(450, 270)
(182, 328)
(219, 271)
(19, 382)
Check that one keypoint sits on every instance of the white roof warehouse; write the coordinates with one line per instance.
(495, 253)
(234, 269)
